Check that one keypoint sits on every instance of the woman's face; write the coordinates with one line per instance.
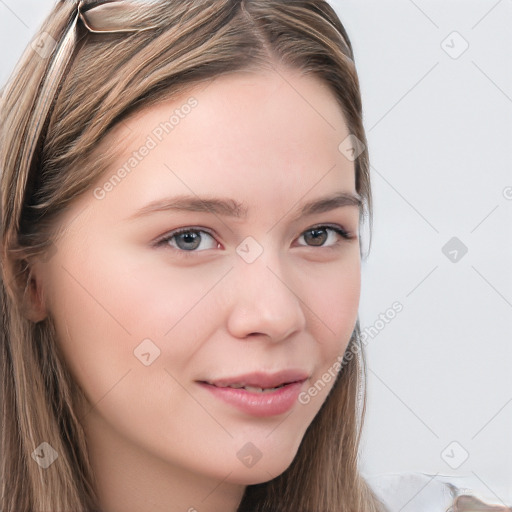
(145, 316)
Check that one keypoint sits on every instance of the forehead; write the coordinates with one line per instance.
(266, 134)
(244, 106)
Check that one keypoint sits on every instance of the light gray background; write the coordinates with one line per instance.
(439, 126)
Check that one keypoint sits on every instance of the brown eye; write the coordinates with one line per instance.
(319, 235)
(316, 236)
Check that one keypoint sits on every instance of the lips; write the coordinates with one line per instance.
(258, 394)
(260, 381)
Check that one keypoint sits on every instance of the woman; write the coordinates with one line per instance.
(182, 190)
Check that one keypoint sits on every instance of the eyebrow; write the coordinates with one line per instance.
(231, 208)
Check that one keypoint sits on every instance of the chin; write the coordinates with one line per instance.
(263, 471)
(253, 476)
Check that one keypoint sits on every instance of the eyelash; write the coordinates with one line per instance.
(169, 236)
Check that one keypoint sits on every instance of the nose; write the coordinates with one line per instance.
(264, 301)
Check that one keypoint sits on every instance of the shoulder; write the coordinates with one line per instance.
(409, 492)
(422, 492)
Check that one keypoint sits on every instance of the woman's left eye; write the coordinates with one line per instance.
(190, 239)
(320, 234)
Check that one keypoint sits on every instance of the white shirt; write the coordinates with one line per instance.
(420, 492)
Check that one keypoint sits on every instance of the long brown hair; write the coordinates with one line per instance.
(110, 77)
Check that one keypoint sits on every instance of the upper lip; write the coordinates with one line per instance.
(261, 379)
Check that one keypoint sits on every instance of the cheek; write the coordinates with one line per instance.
(334, 304)
(93, 329)
(105, 303)
(172, 305)
(332, 294)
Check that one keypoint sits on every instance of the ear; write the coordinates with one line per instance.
(34, 299)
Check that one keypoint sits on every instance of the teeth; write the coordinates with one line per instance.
(254, 389)
(251, 389)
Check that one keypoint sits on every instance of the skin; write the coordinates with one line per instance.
(157, 440)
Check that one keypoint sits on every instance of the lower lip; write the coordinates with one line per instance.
(270, 403)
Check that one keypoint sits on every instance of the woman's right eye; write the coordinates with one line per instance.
(188, 240)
